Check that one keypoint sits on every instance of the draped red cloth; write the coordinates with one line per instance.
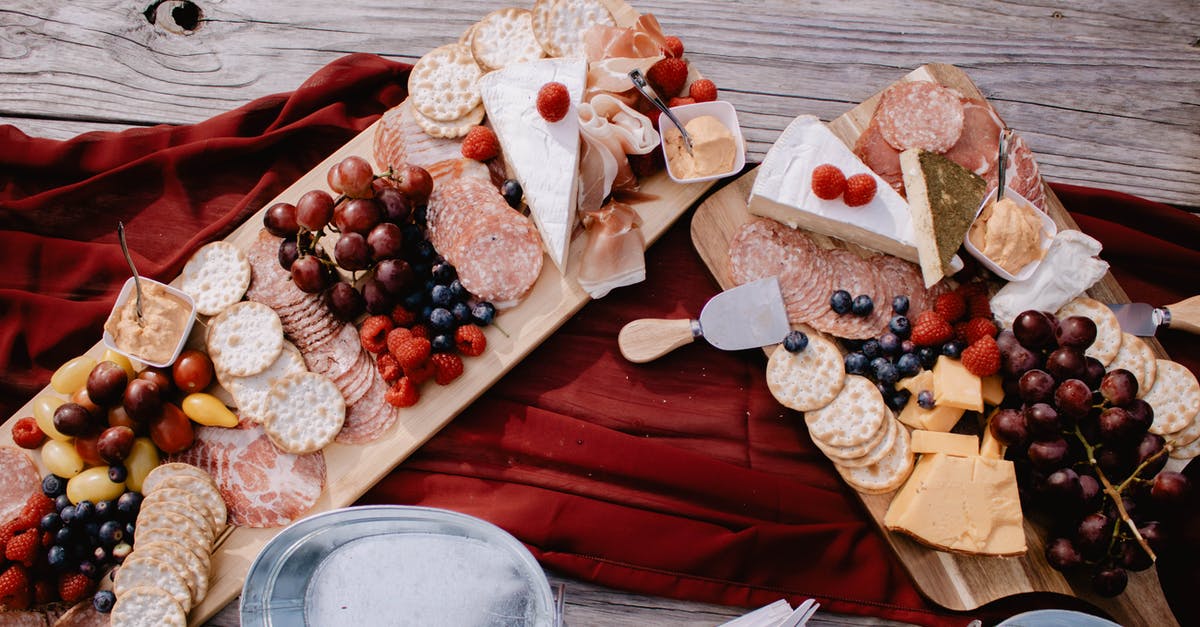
(681, 478)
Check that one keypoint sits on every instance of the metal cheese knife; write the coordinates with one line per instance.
(747, 316)
(1145, 320)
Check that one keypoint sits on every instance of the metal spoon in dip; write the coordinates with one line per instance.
(1001, 161)
(137, 281)
(644, 88)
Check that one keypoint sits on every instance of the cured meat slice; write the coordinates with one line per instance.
(899, 277)
(855, 275)
(979, 144)
(371, 416)
(1023, 175)
(879, 155)
(82, 614)
(399, 141)
(454, 208)
(262, 486)
(21, 481)
(270, 284)
(764, 248)
(920, 114)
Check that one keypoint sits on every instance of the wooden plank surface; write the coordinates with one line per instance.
(1104, 92)
(958, 582)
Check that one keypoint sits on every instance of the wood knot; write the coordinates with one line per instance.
(181, 17)
(1058, 15)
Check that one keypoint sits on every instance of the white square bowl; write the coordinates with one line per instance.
(127, 292)
(726, 114)
(1048, 231)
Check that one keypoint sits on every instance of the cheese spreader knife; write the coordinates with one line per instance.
(1145, 320)
(747, 316)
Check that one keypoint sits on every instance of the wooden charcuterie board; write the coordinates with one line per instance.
(954, 581)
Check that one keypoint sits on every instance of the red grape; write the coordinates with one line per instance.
(394, 276)
(1006, 341)
(1133, 556)
(309, 274)
(1148, 447)
(288, 253)
(352, 176)
(1062, 555)
(1119, 387)
(1152, 532)
(1093, 372)
(1140, 412)
(1042, 420)
(1063, 484)
(396, 207)
(314, 209)
(1008, 425)
(1034, 329)
(280, 219)
(1037, 386)
(358, 215)
(106, 383)
(414, 182)
(1048, 455)
(1114, 462)
(1089, 492)
(1109, 582)
(1073, 398)
(1076, 331)
(1169, 488)
(1093, 533)
(1115, 425)
(351, 252)
(1018, 361)
(377, 299)
(344, 302)
(386, 241)
(1066, 363)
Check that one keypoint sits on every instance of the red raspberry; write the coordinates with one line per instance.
(14, 588)
(413, 352)
(960, 332)
(980, 307)
(421, 373)
(448, 367)
(388, 367)
(36, 506)
(419, 330)
(672, 46)
(24, 547)
(931, 329)
(860, 189)
(951, 306)
(8, 530)
(668, 76)
(402, 394)
(553, 101)
(703, 90)
(470, 340)
(647, 165)
(396, 338)
(828, 182)
(373, 333)
(971, 290)
(27, 434)
(480, 144)
(73, 587)
(403, 317)
(976, 328)
(982, 358)
(679, 102)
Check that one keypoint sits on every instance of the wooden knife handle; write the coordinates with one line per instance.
(648, 339)
(1185, 315)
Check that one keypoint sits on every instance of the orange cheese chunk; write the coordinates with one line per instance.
(993, 390)
(928, 442)
(955, 386)
(940, 418)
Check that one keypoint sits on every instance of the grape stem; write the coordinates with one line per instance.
(1115, 494)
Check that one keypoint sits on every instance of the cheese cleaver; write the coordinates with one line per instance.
(1145, 320)
(747, 316)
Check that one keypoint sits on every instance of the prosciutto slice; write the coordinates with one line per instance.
(612, 52)
(615, 253)
(608, 124)
(262, 486)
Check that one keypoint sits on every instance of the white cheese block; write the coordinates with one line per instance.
(783, 192)
(542, 156)
(1069, 268)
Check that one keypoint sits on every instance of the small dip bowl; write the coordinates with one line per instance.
(726, 114)
(128, 292)
(1048, 231)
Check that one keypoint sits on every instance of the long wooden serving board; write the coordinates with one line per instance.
(352, 470)
(954, 581)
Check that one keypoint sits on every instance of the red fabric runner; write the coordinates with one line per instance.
(683, 478)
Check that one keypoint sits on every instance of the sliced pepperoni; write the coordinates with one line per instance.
(879, 155)
(920, 114)
(21, 481)
(979, 144)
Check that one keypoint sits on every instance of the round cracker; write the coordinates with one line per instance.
(1187, 451)
(143, 570)
(560, 27)
(1108, 329)
(1175, 398)
(305, 412)
(877, 452)
(852, 418)
(250, 393)
(185, 503)
(886, 475)
(245, 339)
(208, 493)
(216, 277)
(452, 129)
(192, 567)
(1138, 358)
(1186, 435)
(145, 606)
(149, 521)
(809, 379)
(442, 84)
(173, 536)
(172, 469)
(503, 37)
(465, 37)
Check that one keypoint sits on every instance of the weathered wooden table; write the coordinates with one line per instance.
(1105, 92)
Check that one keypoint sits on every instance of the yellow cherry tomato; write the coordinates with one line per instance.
(93, 485)
(72, 375)
(43, 412)
(120, 360)
(143, 457)
(207, 409)
(62, 459)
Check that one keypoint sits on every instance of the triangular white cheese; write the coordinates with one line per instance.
(542, 156)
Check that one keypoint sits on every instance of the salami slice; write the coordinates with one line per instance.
(979, 144)
(764, 248)
(503, 262)
(920, 114)
(21, 481)
(1023, 175)
(270, 284)
(901, 278)
(262, 486)
(371, 416)
(853, 274)
(879, 155)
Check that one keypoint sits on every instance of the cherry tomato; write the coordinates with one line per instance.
(193, 371)
(172, 431)
(87, 447)
(118, 417)
(158, 376)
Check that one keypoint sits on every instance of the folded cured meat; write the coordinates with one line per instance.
(615, 252)
(609, 125)
(400, 141)
(612, 52)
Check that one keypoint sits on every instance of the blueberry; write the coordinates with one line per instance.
(441, 319)
(54, 486)
(898, 399)
(410, 234)
(900, 305)
(107, 510)
(92, 529)
(889, 344)
(130, 528)
(61, 502)
(419, 214)
(121, 551)
(795, 341)
(878, 363)
(88, 569)
(425, 250)
(886, 373)
(511, 190)
(426, 311)
(872, 349)
(129, 504)
(103, 601)
(111, 533)
(901, 326)
(840, 302)
(483, 313)
(79, 549)
(428, 285)
(440, 296)
(856, 363)
(925, 399)
(928, 356)
(116, 474)
(908, 364)
(444, 273)
(64, 536)
(952, 349)
(907, 346)
(442, 343)
(422, 269)
(462, 313)
(100, 555)
(50, 522)
(458, 292)
(862, 305)
(67, 514)
(414, 301)
(56, 556)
